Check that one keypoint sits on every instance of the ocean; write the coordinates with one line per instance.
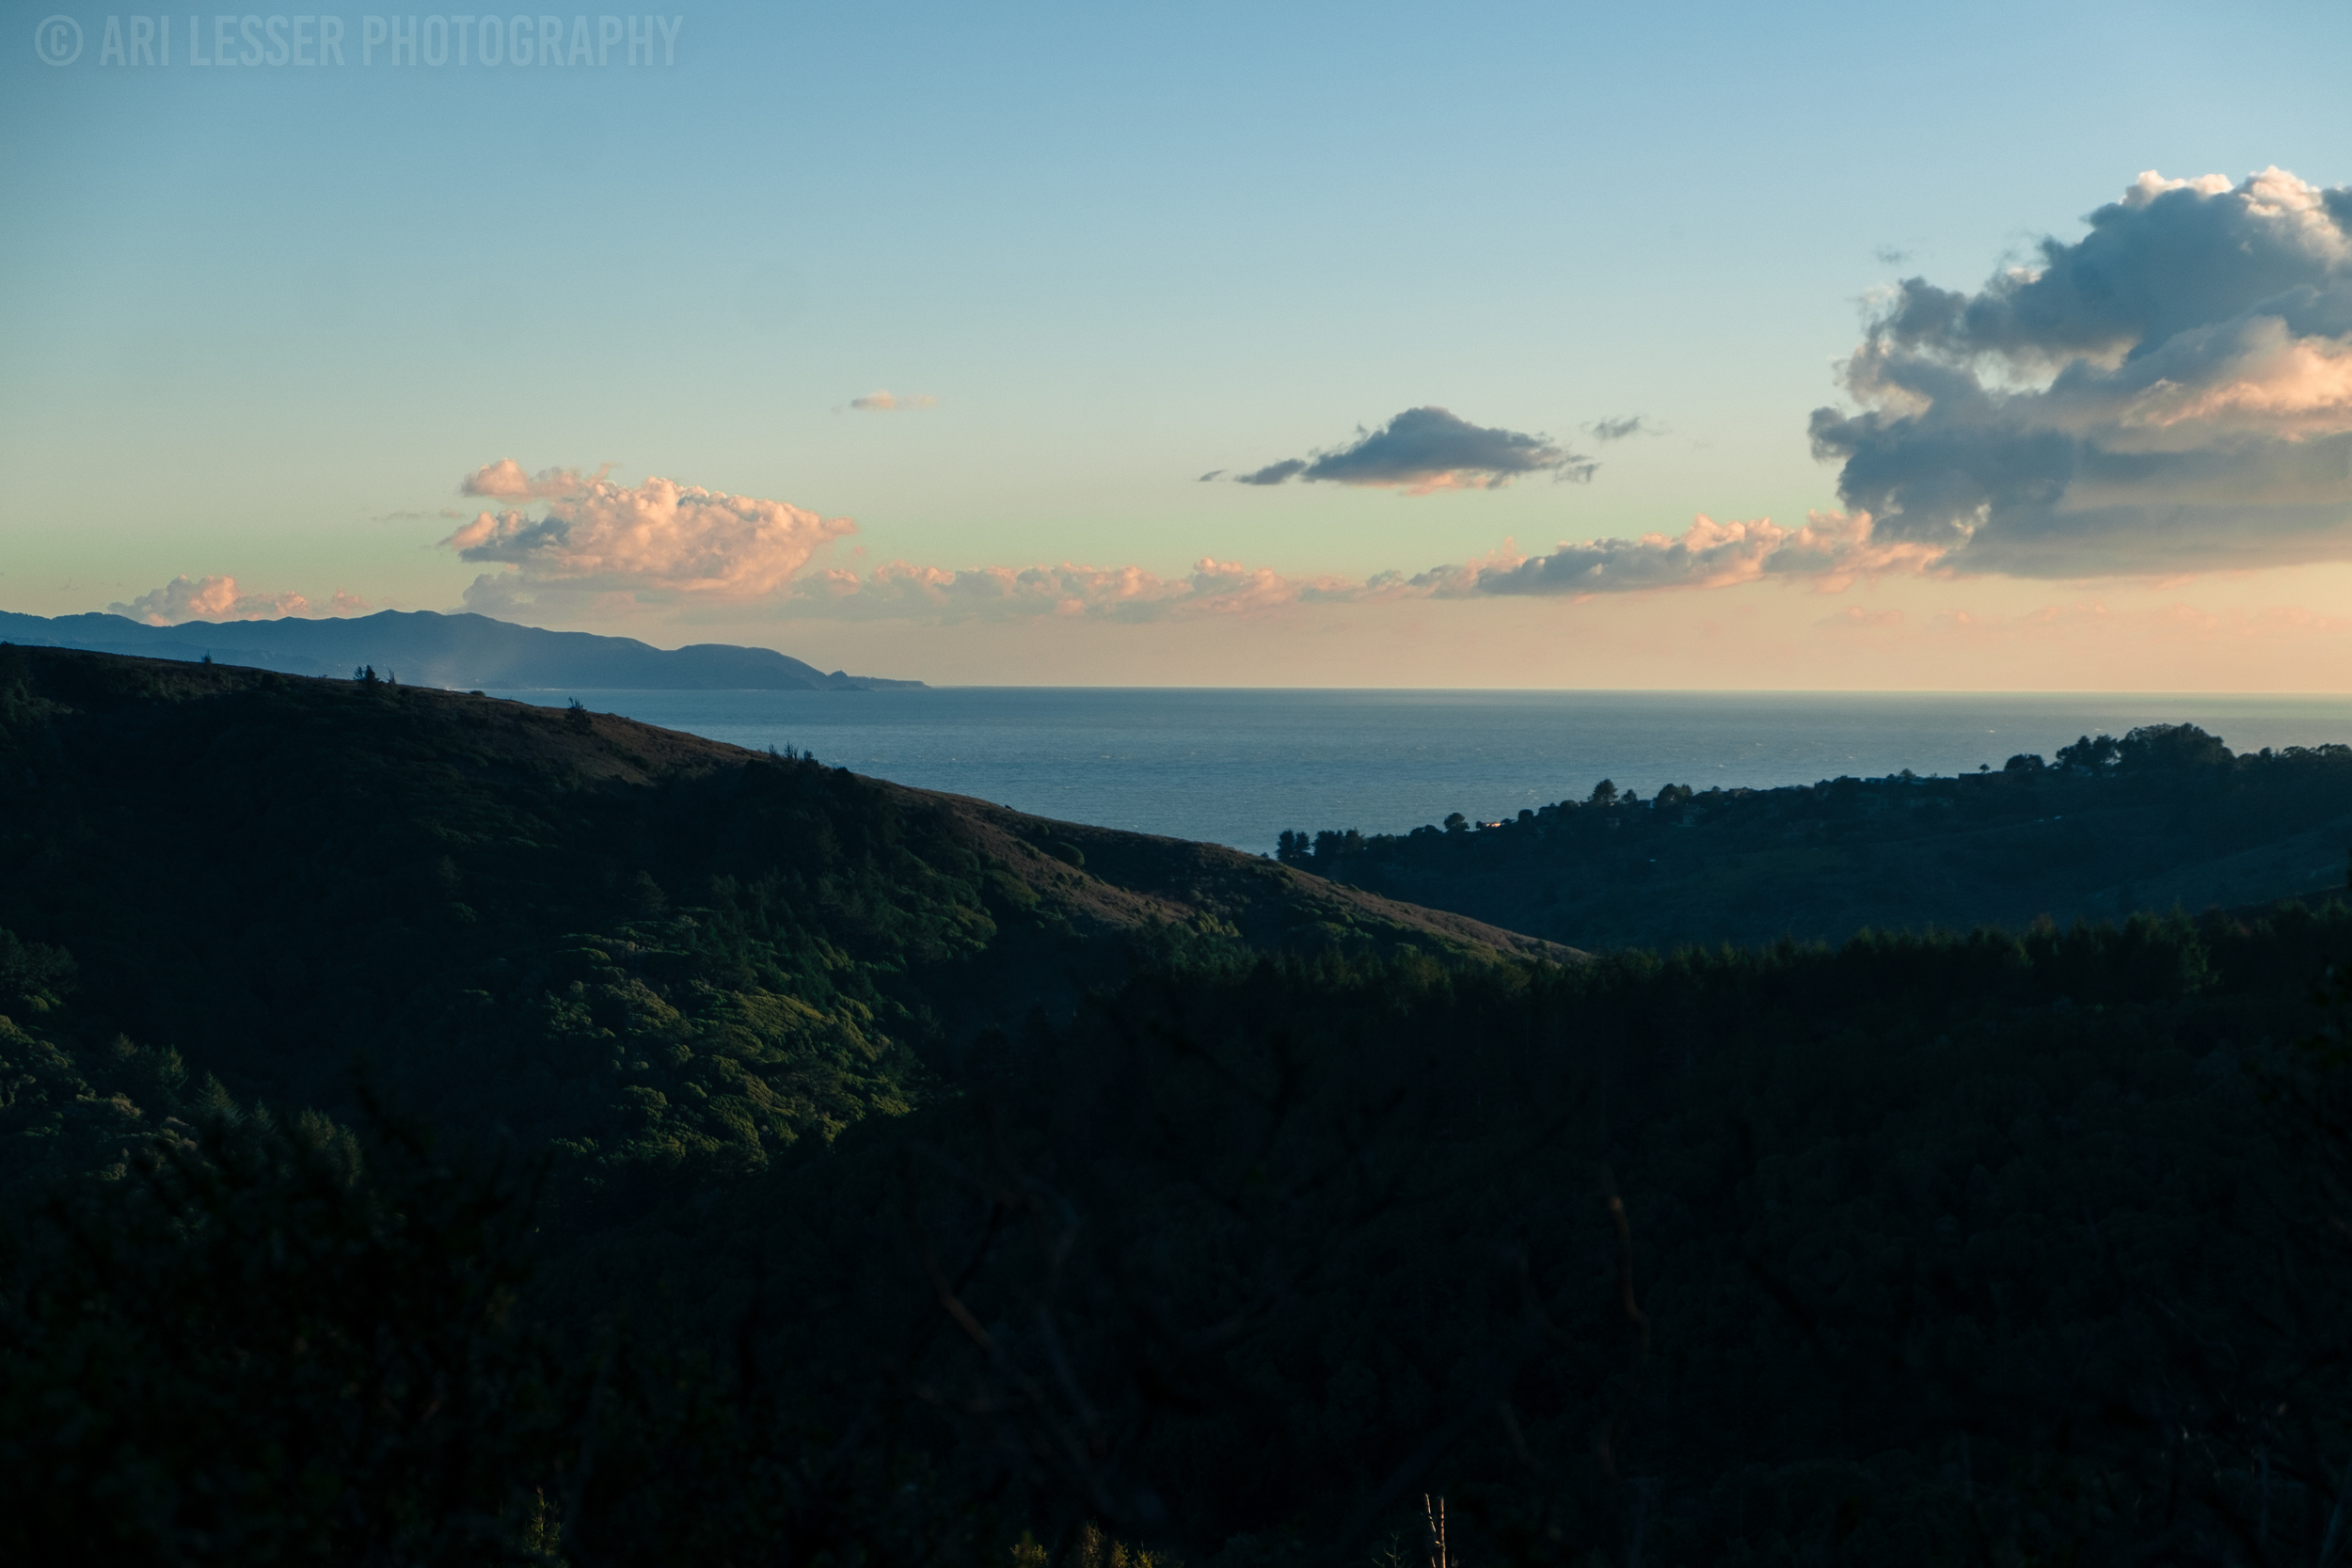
(1239, 766)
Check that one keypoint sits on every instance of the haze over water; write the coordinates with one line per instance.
(1238, 767)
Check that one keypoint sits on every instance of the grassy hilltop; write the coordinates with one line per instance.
(445, 1130)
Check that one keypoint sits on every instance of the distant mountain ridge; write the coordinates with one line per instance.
(456, 652)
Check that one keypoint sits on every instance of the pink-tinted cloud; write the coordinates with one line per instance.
(901, 590)
(657, 541)
(890, 403)
(219, 598)
(1830, 550)
(2170, 393)
(504, 480)
(594, 545)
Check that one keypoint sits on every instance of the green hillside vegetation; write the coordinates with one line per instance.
(647, 950)
(749, 1162)
(2164, 816)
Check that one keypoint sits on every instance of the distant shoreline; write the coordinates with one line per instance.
(455, 653)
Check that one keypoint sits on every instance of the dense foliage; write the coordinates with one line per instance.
(1998, 1247)
(1936, 1250)
(274, 877)
(2164, 815)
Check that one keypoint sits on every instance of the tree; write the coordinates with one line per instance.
(1332, 845)
(276, 1340)
(2094, 755)
(2171, 746)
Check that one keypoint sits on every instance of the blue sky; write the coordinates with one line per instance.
(261, 321)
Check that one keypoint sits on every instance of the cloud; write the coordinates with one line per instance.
(902, 589)
(610, 547)
(220, 599)
(504, 480)
(1619, 428)
(1892, 255)
(1830, 550)
(1273, 473)
(596, 545)
(656, 541)
(1429, 449)
(888, 402)
(2170, 393)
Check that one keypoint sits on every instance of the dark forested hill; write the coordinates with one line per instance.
(456, 652)
(442, 1131)
(645, 945)
(2165, 816)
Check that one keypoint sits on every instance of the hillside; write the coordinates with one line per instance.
(437, 1129)
(456, 652)
(2165, 817)
(643, 946)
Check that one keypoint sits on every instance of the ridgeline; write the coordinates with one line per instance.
(445, 1130)
(646, 946)
(455, 652)
(2165, 817)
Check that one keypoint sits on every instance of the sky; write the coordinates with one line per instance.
(1998, 347)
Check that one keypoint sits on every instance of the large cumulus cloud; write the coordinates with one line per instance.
(2170, 392)
(656, 541)
(1429, 449)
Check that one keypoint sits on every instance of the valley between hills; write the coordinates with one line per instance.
(443, 1130)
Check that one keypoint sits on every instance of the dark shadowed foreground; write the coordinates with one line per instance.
(445, 1131)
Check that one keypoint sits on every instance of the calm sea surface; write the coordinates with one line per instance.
(1235, 767)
